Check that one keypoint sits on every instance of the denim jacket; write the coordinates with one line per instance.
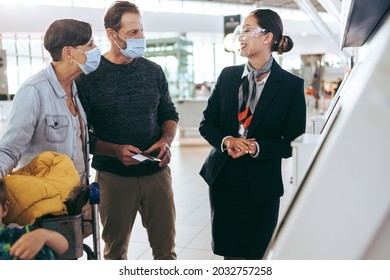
(40, 121)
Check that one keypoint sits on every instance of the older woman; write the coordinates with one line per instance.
(46, 112)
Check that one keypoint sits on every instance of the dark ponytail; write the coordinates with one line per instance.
(285, 44)
(271, 21)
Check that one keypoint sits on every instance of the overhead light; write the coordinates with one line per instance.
(230, 24)
(228, 43)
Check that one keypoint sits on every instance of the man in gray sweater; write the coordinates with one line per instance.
(130, 113)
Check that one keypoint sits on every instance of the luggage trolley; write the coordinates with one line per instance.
(72, 227)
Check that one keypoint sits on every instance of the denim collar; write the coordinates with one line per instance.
(55, 84)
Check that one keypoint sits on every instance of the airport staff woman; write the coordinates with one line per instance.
(253, 114)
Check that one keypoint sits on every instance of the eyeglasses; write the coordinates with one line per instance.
(248, 30)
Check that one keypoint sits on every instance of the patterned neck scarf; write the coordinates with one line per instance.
(247, 96)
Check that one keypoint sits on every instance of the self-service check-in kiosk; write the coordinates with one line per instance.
(341, 208)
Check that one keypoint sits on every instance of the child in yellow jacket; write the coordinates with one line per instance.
(25, 242)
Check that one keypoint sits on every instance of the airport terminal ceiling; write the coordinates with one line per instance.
(289, 4)
(202, 26)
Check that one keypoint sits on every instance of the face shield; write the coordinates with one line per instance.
(243, 32)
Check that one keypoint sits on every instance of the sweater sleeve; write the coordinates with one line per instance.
(84, 99)
(166, 109)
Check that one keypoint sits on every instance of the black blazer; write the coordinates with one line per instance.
(279, 118)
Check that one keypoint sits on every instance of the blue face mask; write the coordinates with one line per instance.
(93, 60)
(135, 47)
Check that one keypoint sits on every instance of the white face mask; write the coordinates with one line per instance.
(93, 60)
(135, 47)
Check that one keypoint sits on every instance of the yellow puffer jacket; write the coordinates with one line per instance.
(40, 188)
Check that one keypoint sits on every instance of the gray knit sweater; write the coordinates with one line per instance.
(126, 104)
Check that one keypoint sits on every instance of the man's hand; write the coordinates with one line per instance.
(164, 152)
(122, 152)
(125, 153)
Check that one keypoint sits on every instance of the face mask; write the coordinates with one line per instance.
(93, 60)
(135, 47)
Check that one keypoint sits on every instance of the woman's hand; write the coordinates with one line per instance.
(238, 147)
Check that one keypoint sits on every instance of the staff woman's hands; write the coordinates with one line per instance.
(238, 147)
